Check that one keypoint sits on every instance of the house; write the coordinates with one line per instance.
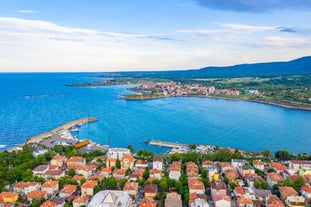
(80, 201)
(274, 178)
(231, 175)
(287, 191)
(261, 195)
(111, 162)
(236, 163)
(85, 170)
(274, 201)
(67, 191)
(77, 178)
(174, 170)
(147, 202)
(141, 164)
(259, 164)
(36, 194)
(278, 167)
(155, 173)
(26, 187)
(8, 197)
(224, 166)
(306, 192)
(48, 204)
(131, 188)
(196, 186)
(117, 153)
(213, 174)
(295, 201)
(244, 202)
(207, 163)
(40, 170)
(252, 178)
(105, 171)
(137, 174)
(222, 201)
(157, 163)
(239, 192)
(50, 187)
(150, 190)
(88, 188)
(119, 173)
(192, 170)
(58, 160)
(127, 162)
(173, 199)
(218, 188)
(38, 150)
(246, 170)
(60, 202)
(198, 200)
(72, 161)
(109, 198)
(54, 174)
(297, 164)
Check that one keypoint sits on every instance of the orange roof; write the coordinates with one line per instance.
(244, 201)
(219, 198)
(4, 195)
(306, 188)
(141, 162)
(258, 162)
(207, 162)
(147, 202)
(194, 196)
(76, 159)
(224, 164)
(50, 184)
(275, 177)
(37, 194)
(48, 204)
(81, 199)
(130, 186)
(89, 184)
(287, 191)
(175, 166)
(69, 189)
(155, 171)
(278, 166)
(196, 184)
(111, 160)
(25, 184)
(128, 157)
(53, 167)
(77, 177)
(58, 157)
(82, 144)
(106, 169)
(239, 190)
(274, 201)
(119, 172)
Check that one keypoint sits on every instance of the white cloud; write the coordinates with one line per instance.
(28, 11)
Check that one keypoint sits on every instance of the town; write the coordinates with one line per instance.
(169, 89)
(66, 176)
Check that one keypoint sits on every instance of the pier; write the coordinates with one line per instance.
(166, 144)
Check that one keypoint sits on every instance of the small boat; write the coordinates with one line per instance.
(146, 141)
(74, 130)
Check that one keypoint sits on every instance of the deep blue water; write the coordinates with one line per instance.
(34, 103)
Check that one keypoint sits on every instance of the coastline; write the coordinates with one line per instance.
(217, 97)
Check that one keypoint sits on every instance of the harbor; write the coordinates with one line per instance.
(166, 144)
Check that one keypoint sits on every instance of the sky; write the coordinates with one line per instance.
(136, 35)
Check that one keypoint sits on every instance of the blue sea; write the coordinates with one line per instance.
(37, 102)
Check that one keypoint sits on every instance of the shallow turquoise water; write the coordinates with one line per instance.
(33, 103)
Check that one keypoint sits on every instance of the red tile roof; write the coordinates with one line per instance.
(128, 157)
(244, 201)
(239, 190)
(36, 194)
(69, 189)
(278, 166)
(50, 184)
(48, 204)
(306, 188)
(196, 185)
(275, 177)
(89, 184)
(130, 186)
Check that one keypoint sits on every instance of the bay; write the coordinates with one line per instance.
(37, 102)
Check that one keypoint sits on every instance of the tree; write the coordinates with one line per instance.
(131, 148)
(122, 183)
(27, 175)
(257, 184)
(112, 183)
(271, 170)
(282, 155)
(71, 172)
(193, 146)
(146, 173)
(300, 181)
(266, 153)
(163, 185)
(233, 185)
(265, 185)
(118, 164)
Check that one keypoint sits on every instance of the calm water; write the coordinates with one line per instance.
(34, 103)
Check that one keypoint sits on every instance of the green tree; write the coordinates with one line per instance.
(71, 172)
(122, 183)
(146, 173)
(27, 175)
(118, 164)
(233, 185)
(131, 148)
(163, 185)
(266, 153)
(112, 183)
(265, 185)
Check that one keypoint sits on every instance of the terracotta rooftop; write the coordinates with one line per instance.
(53, 172)
(141, 162)
(158, 159)
(194, 196)
(196, 184)
(7, 195)
(151, 188)
(77, 177)
(306, 188)
(175, 166)
(155, 171)
(69, 189)
(274, 201)
(278, 166)
(258, 162)
(119, 172)
(81, 199)
(173, 196)
(275, 177)
(41, 168)
(48, 204)
(36, 194)
(59, 157)
(207, 162)
(244, 201)
(106, 169)
(130, 186)
(239, 190)
(287, 191)
(128, 157)
(89, 184)
(25, 184)
(219, 198)
(50, 184)
(76, 159)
